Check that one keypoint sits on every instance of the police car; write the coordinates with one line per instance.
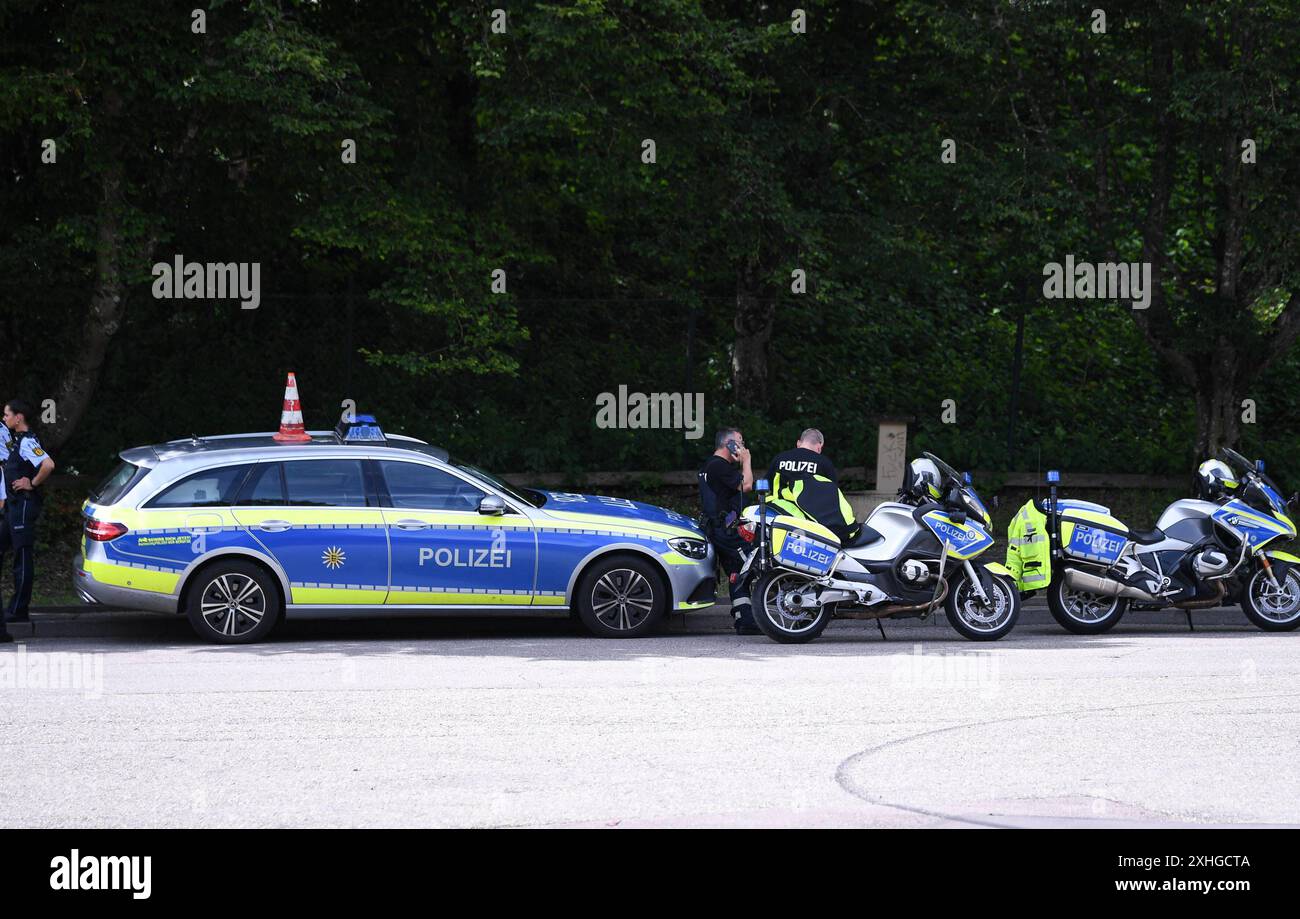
(238, 532)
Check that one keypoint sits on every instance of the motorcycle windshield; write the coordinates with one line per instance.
(1274, 499)
(973, 499)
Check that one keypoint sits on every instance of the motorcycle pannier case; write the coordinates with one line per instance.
(804, 545)
(1090, 533)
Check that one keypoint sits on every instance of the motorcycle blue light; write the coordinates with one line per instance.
(1053, 475)
(762, 485)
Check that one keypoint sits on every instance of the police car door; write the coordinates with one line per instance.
(316, 518)
(445, 552)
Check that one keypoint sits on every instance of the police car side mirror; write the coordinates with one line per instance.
(492, 505)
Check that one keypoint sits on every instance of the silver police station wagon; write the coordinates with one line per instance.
(240, 531)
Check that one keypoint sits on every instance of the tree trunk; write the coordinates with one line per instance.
(1218, 404)
(75, 389)
(755, 317)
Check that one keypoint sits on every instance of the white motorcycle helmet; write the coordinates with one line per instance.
(924, 481)
(1215, 479)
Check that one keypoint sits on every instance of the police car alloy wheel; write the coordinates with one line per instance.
(621, 598)
(233, 603)
(1082, 612)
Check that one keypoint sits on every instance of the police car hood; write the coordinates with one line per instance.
(561, 502)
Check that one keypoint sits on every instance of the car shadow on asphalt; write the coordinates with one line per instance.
(565, 639)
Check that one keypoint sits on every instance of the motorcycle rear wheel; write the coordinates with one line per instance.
(780, 621)
(1080, 611)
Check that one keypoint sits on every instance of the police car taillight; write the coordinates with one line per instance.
(103, 530)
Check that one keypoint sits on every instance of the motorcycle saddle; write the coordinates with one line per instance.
(865, 537)
(1147, 537)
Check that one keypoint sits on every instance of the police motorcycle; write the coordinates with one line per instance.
(910, 556)
(1200, 548)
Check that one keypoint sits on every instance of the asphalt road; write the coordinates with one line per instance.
(510, 723)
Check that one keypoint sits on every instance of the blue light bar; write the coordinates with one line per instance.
(364, 429)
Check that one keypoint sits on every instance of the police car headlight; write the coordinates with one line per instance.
(691, 548)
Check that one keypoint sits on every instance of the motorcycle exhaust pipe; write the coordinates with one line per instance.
(1105, 587)
(882, 612)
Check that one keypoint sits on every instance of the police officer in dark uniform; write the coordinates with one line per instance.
(26, 467)
(808, 479)
(5, 637)
(724, 478)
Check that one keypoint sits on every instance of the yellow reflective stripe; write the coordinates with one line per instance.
(812, 526)
(325, 516)
(435, 598)
(676, 558)
(162, 582)
(685, 605)
(548, 601)
(457, 518)
(996, 568)
(1093, 517)
(601, 522)
(340, 595)
(1282, 556)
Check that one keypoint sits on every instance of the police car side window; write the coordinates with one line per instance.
(264, 486)
(325, 483)
(209, 488)
(415, 486)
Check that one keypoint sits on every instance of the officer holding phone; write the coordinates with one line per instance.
(5, 637)
(724, 478)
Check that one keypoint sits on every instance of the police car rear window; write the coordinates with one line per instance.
(209, 488)
(115, 485)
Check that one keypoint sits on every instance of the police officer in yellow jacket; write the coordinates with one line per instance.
(808, 479)
(26, 467)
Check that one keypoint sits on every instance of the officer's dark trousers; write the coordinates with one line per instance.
(727, 546)
(18, 534)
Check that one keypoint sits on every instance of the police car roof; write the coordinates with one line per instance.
(190, 446)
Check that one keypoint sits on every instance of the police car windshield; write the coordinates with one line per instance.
(526, 495)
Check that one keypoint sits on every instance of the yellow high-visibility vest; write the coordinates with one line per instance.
(1029, 552)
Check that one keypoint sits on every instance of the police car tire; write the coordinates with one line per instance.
(1056, 604)
(205, 578)
(591, 579)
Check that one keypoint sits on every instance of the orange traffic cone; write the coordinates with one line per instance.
(291, 426)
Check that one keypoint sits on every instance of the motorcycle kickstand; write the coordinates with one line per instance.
(1190, 627)
(881, 625)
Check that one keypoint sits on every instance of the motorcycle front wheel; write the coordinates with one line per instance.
(778, 618)
(975, 619)
(1273, 609)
